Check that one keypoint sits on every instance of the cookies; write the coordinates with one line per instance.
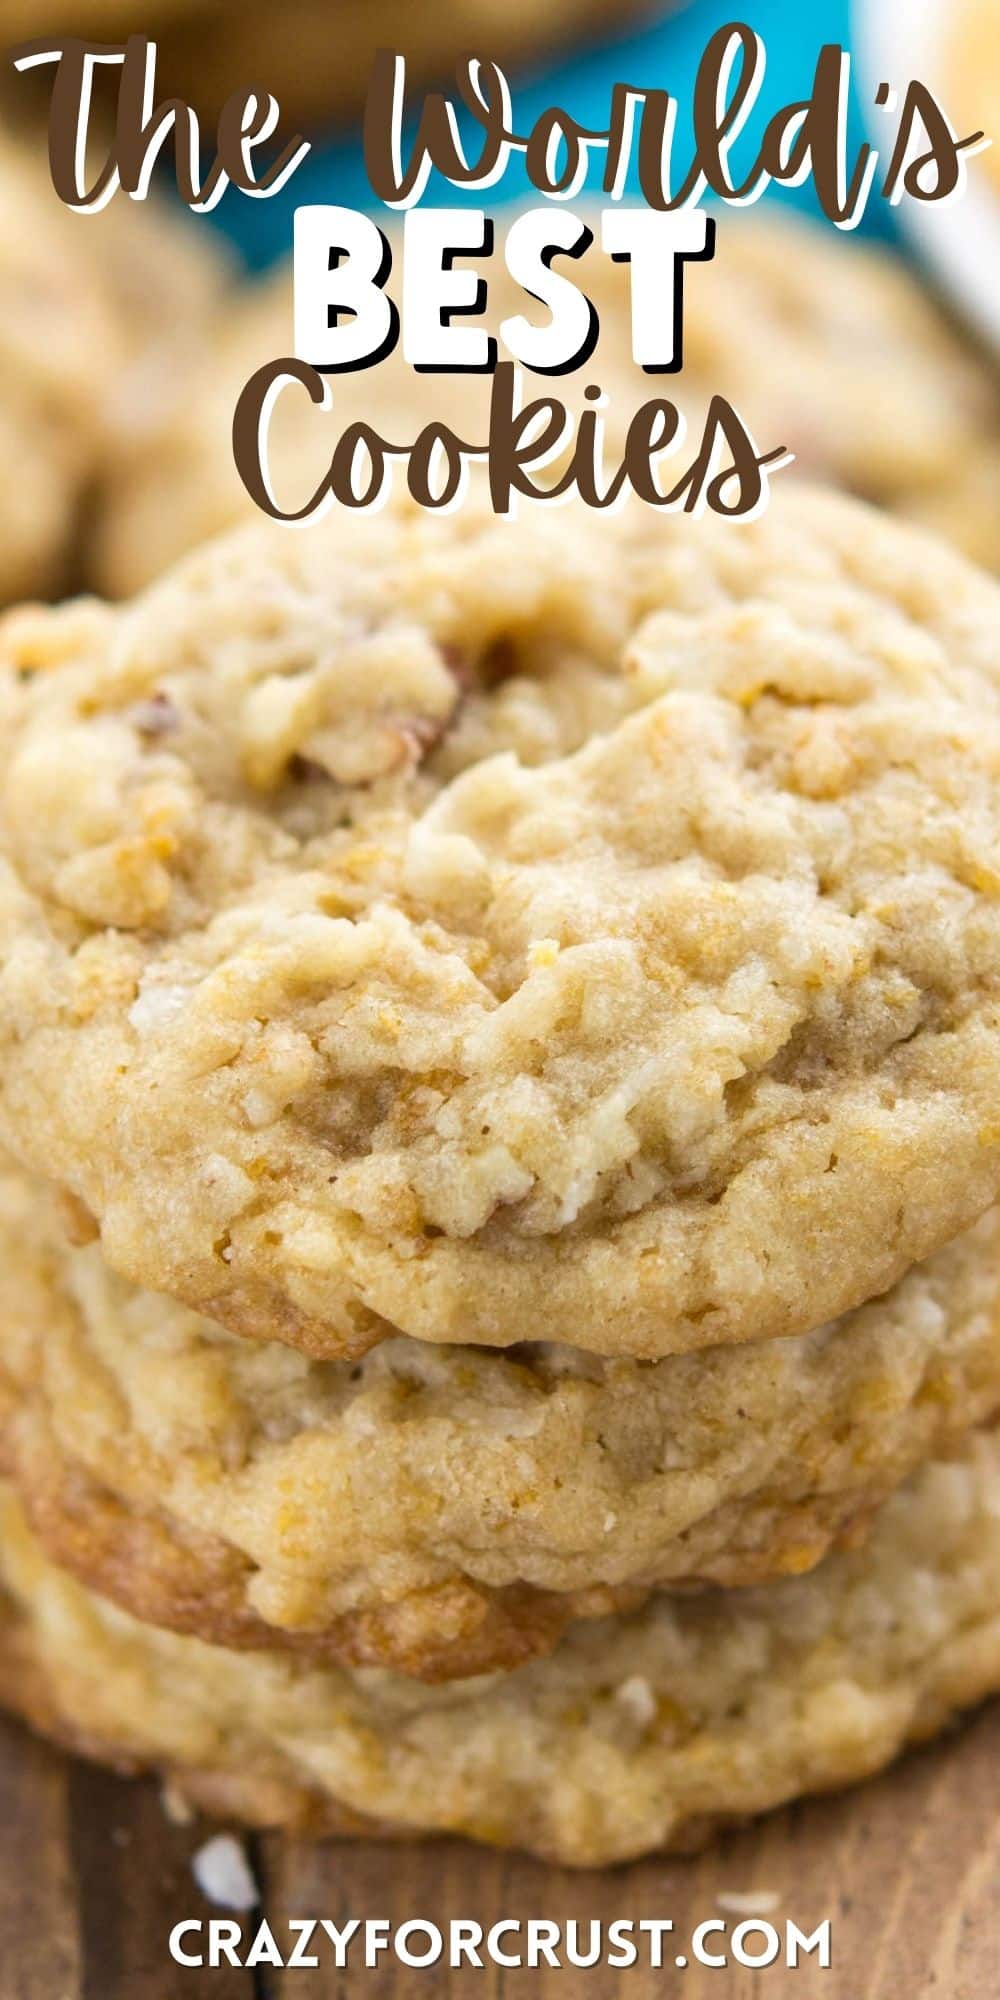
(506, 1017)
(826, 346)
(463, 927)
(639, 1733)
(441, 1510)
(84, 302)
(58, 340)
(973, 75)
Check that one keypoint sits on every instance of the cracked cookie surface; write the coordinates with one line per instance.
(446, 1511)
(435, 924)
(638, 1733)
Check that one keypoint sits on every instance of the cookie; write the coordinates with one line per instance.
(441, 1510)
(973, 77)
(86, 304)
(639, 1733)
(473, 928)
(822, 344)
(58, 340)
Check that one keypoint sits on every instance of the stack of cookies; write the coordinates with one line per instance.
(500, 1070)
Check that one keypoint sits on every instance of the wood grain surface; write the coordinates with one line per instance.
(93, 1875)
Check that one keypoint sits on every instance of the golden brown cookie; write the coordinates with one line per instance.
(97, 315)
(445, 1510)
(59, 345)
(973, 75)
(637, 1734)
(428, 924)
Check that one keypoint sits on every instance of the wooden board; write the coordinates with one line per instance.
(93, 1876)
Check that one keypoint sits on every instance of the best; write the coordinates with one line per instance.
(345, 320)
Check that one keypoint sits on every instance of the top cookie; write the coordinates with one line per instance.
(489, 929)
(822, 344)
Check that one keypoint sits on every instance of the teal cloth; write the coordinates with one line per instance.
(664, 51)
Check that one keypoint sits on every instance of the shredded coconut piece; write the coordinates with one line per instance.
(749, 1902)
(636, 1697)
(155, 1006)
(175, 1807)
(224, 1875)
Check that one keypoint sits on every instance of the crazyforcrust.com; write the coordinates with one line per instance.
(300, 1942)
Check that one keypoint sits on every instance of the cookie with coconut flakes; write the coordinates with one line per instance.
(447, 1511)
(638, 1734)
(414, 920)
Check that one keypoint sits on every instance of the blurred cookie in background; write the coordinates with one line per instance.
(165, 275)
(822, 345)
(316, 60)
(59, 348)
(91, 308)
(953, 47)
(975, 72)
